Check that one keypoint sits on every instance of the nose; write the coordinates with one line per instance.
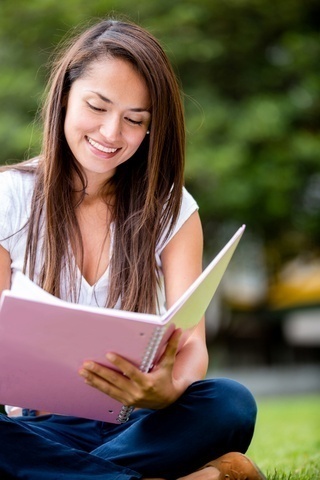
(111, 127)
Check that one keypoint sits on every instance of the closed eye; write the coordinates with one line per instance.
(95, 109)
(134, 122)
(101, 110)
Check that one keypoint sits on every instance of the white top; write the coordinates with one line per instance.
(16, 190)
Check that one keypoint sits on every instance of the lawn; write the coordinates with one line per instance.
(286, 445)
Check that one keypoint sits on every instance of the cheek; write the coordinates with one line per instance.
(75, 125)
(136, 139)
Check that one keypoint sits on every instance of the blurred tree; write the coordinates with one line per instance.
(253, 142)
(250, 72)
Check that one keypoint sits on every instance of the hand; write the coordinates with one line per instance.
(156, 389)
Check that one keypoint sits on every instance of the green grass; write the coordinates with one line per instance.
(286, 445)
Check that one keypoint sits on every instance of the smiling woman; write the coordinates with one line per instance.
(106, 121)
(101, 217)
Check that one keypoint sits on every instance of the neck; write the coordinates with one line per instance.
(97, 190)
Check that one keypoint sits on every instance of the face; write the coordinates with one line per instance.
(107, 116)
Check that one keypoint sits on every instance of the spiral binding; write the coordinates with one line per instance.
(145, 366)
(124, 414)
(151, 349)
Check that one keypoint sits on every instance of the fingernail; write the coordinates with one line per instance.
(88, 365)
(111, 357)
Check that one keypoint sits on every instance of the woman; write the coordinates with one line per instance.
(101, 217)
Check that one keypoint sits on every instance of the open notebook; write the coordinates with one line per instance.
(44, 341)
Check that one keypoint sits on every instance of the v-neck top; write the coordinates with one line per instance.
(16, 189)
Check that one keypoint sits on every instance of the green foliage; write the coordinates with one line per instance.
(250, 73)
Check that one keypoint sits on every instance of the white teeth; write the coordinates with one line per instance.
(100, 147)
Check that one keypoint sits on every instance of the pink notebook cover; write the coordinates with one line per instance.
(44, 342)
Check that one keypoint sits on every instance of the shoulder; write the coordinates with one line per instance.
(16, 183)
(187, 207)
(16, 190)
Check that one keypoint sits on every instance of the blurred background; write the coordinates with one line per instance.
(250, 73)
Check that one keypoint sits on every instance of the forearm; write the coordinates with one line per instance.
(191, 362)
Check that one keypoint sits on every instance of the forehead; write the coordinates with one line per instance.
(115, 76)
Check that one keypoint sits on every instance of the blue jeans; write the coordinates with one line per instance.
(211, 418)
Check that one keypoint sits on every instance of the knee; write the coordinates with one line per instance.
(239, 403)
(222, 416)
(230, 402)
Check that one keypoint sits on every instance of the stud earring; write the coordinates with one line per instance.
(148, 131)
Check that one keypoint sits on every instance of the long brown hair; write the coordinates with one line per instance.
(147, 187)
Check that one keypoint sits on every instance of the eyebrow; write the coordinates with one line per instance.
(107, 100)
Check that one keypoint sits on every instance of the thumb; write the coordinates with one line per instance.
(172, 347)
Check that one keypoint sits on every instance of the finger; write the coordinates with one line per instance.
(170, 352)
(93, 372)
(108, 389)
(109, 382)
(90, 370)
(174, 340)
(127, 368)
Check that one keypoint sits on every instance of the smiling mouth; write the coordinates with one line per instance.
(100, 147)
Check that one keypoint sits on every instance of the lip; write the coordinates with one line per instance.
(101, 150)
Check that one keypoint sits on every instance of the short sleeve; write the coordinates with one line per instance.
(15, 191)
(187, 208)
(6, 209)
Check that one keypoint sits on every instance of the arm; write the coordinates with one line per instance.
(182, 264)
(5, 269)
(5, 282)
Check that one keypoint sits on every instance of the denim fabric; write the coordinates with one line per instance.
(211, 418)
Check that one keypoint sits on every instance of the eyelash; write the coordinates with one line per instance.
(96, 109)
(134, 122)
